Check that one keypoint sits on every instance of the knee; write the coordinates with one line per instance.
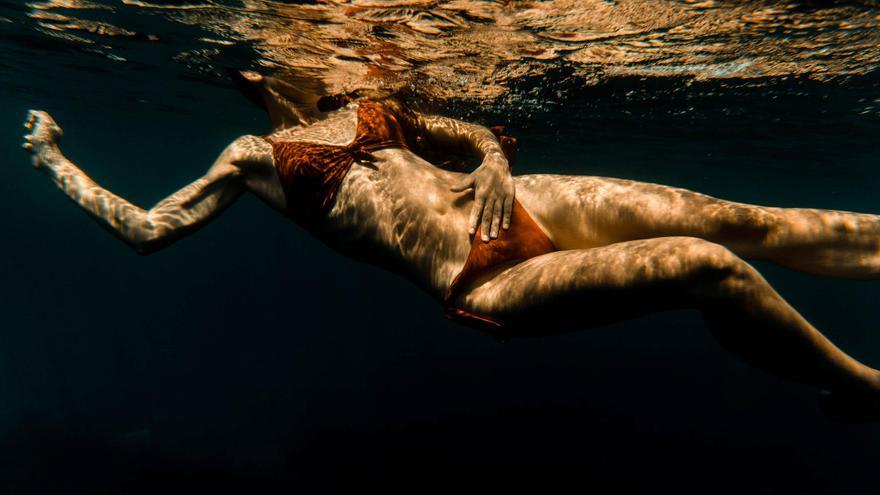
(711, 272)
(703, 260)
(746, 227)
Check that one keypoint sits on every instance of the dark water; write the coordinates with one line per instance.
(251, 359)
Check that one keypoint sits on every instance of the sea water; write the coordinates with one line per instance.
(249, 358)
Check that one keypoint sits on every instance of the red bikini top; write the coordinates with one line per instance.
(311, 174)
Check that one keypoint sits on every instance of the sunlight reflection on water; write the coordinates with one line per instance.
(479, 49)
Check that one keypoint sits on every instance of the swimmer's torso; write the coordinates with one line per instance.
(398, 212)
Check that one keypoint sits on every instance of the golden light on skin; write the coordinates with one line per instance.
(476, 49)
(626, 248)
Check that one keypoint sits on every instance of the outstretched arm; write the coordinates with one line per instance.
(144, 230)
(492, 183)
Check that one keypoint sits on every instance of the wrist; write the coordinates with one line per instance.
(494, 156)
(496, 159)
(493, 152)
(48, 158)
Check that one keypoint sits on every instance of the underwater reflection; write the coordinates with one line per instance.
(479, 49)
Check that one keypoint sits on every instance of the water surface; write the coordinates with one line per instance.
(225, 364)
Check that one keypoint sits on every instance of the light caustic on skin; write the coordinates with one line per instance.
(625, 248)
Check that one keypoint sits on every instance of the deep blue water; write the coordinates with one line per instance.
(249, 358)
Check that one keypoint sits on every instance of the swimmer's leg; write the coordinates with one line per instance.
(575, 289)
(584, 212)
(170, 219)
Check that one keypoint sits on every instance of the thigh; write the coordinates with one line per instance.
(580, 212)
(580, 288)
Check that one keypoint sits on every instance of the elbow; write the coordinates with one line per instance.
(146, 243)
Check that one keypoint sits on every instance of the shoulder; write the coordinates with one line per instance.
(249, 147)
(248, 150)
(245, 154)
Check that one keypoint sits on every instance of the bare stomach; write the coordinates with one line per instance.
(402, 216)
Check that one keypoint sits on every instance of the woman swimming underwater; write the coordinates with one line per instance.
(562, 253)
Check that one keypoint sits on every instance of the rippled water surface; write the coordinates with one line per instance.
(467, 49)
(248, 358)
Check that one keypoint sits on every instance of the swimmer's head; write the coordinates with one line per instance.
(295, 100)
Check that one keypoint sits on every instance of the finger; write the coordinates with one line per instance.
(27, 146)
(487, 220)
(496, 218)
(475, 215)
(30, 119)
(508, 211)
(463, 185)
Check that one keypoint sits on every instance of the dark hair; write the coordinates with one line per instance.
(332, 102)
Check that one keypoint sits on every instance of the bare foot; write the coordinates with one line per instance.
(42, 140)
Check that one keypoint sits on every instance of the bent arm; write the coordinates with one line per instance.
(144, 230)
(169, 220)
(491, 181)
(459, 137)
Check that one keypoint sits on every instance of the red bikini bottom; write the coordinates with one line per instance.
(523, 240)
